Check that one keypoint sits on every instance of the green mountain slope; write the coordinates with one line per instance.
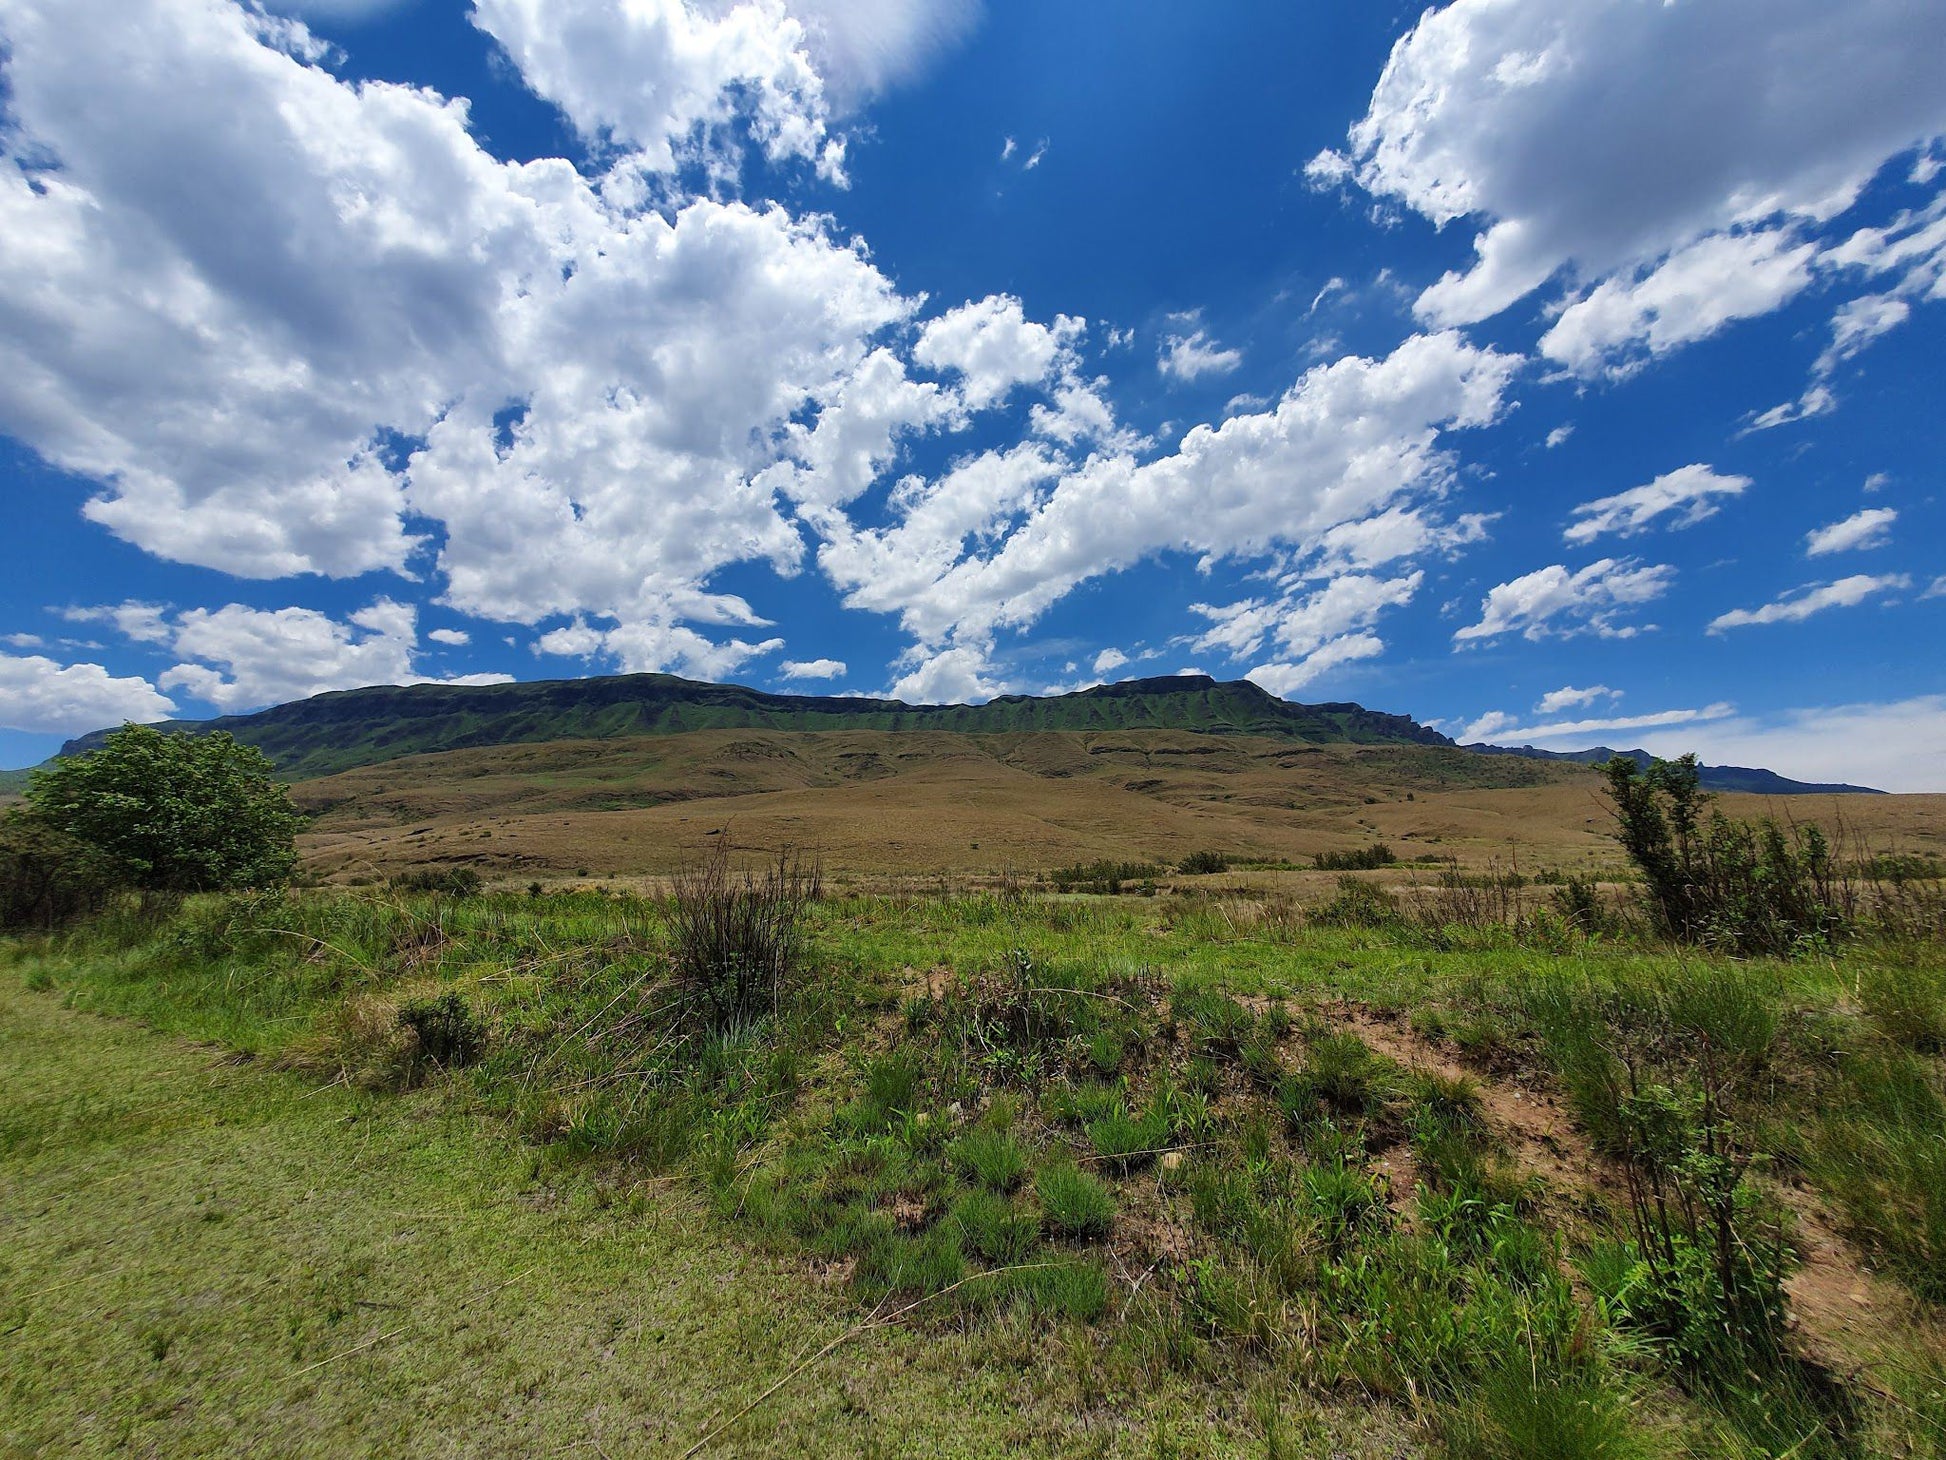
(336, 732)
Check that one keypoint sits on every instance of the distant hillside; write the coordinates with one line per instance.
(336, 732)
(1755, 780)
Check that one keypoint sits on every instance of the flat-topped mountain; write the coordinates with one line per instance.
(360, 727)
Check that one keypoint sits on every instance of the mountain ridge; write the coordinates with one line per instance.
(344, 729)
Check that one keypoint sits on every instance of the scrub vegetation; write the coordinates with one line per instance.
(1482, 1167)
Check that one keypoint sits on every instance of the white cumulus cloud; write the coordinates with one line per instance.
(1600, 137)
(1192, 356)
(812, 669)
(1284, 677)
(992, 346)
(1552, 600)
(43, 697)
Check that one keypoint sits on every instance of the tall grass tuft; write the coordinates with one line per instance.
(739, 939)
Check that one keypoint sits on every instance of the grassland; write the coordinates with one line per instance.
(916, 805)
(1212, 1174)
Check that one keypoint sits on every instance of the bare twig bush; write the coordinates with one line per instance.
(739, 937)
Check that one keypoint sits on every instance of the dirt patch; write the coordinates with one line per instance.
(1843, 1313)
(1539, 1134)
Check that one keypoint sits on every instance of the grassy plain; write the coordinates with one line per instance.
(883, 806)
(1206, 1174)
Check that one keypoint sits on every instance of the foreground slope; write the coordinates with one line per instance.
(206, 1258)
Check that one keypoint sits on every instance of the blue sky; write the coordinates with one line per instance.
(1553, 374)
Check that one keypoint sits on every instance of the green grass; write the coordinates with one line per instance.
(1331, 1222)
(1075, 1204)
(206, 1257)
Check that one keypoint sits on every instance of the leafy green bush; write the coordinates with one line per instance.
(1104, 877)
(1744, 887)
(173, 813)
(1074, 1203)
(48, 879)
(1203, 864)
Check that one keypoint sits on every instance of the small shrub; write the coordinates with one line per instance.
(1203, 864)
(47, 879)
(447, 1033)
(1357, 905)
(1578, 901)
(440, 881)
(1105, 878)
(739, 940)
(1075, 1204)
(1744, 887)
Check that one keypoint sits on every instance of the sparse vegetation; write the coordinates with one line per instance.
(1203, 864)
(1175, 1151)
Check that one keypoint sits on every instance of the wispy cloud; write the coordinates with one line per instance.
(1816, 598)
(1192, 356)
(1868, 529)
